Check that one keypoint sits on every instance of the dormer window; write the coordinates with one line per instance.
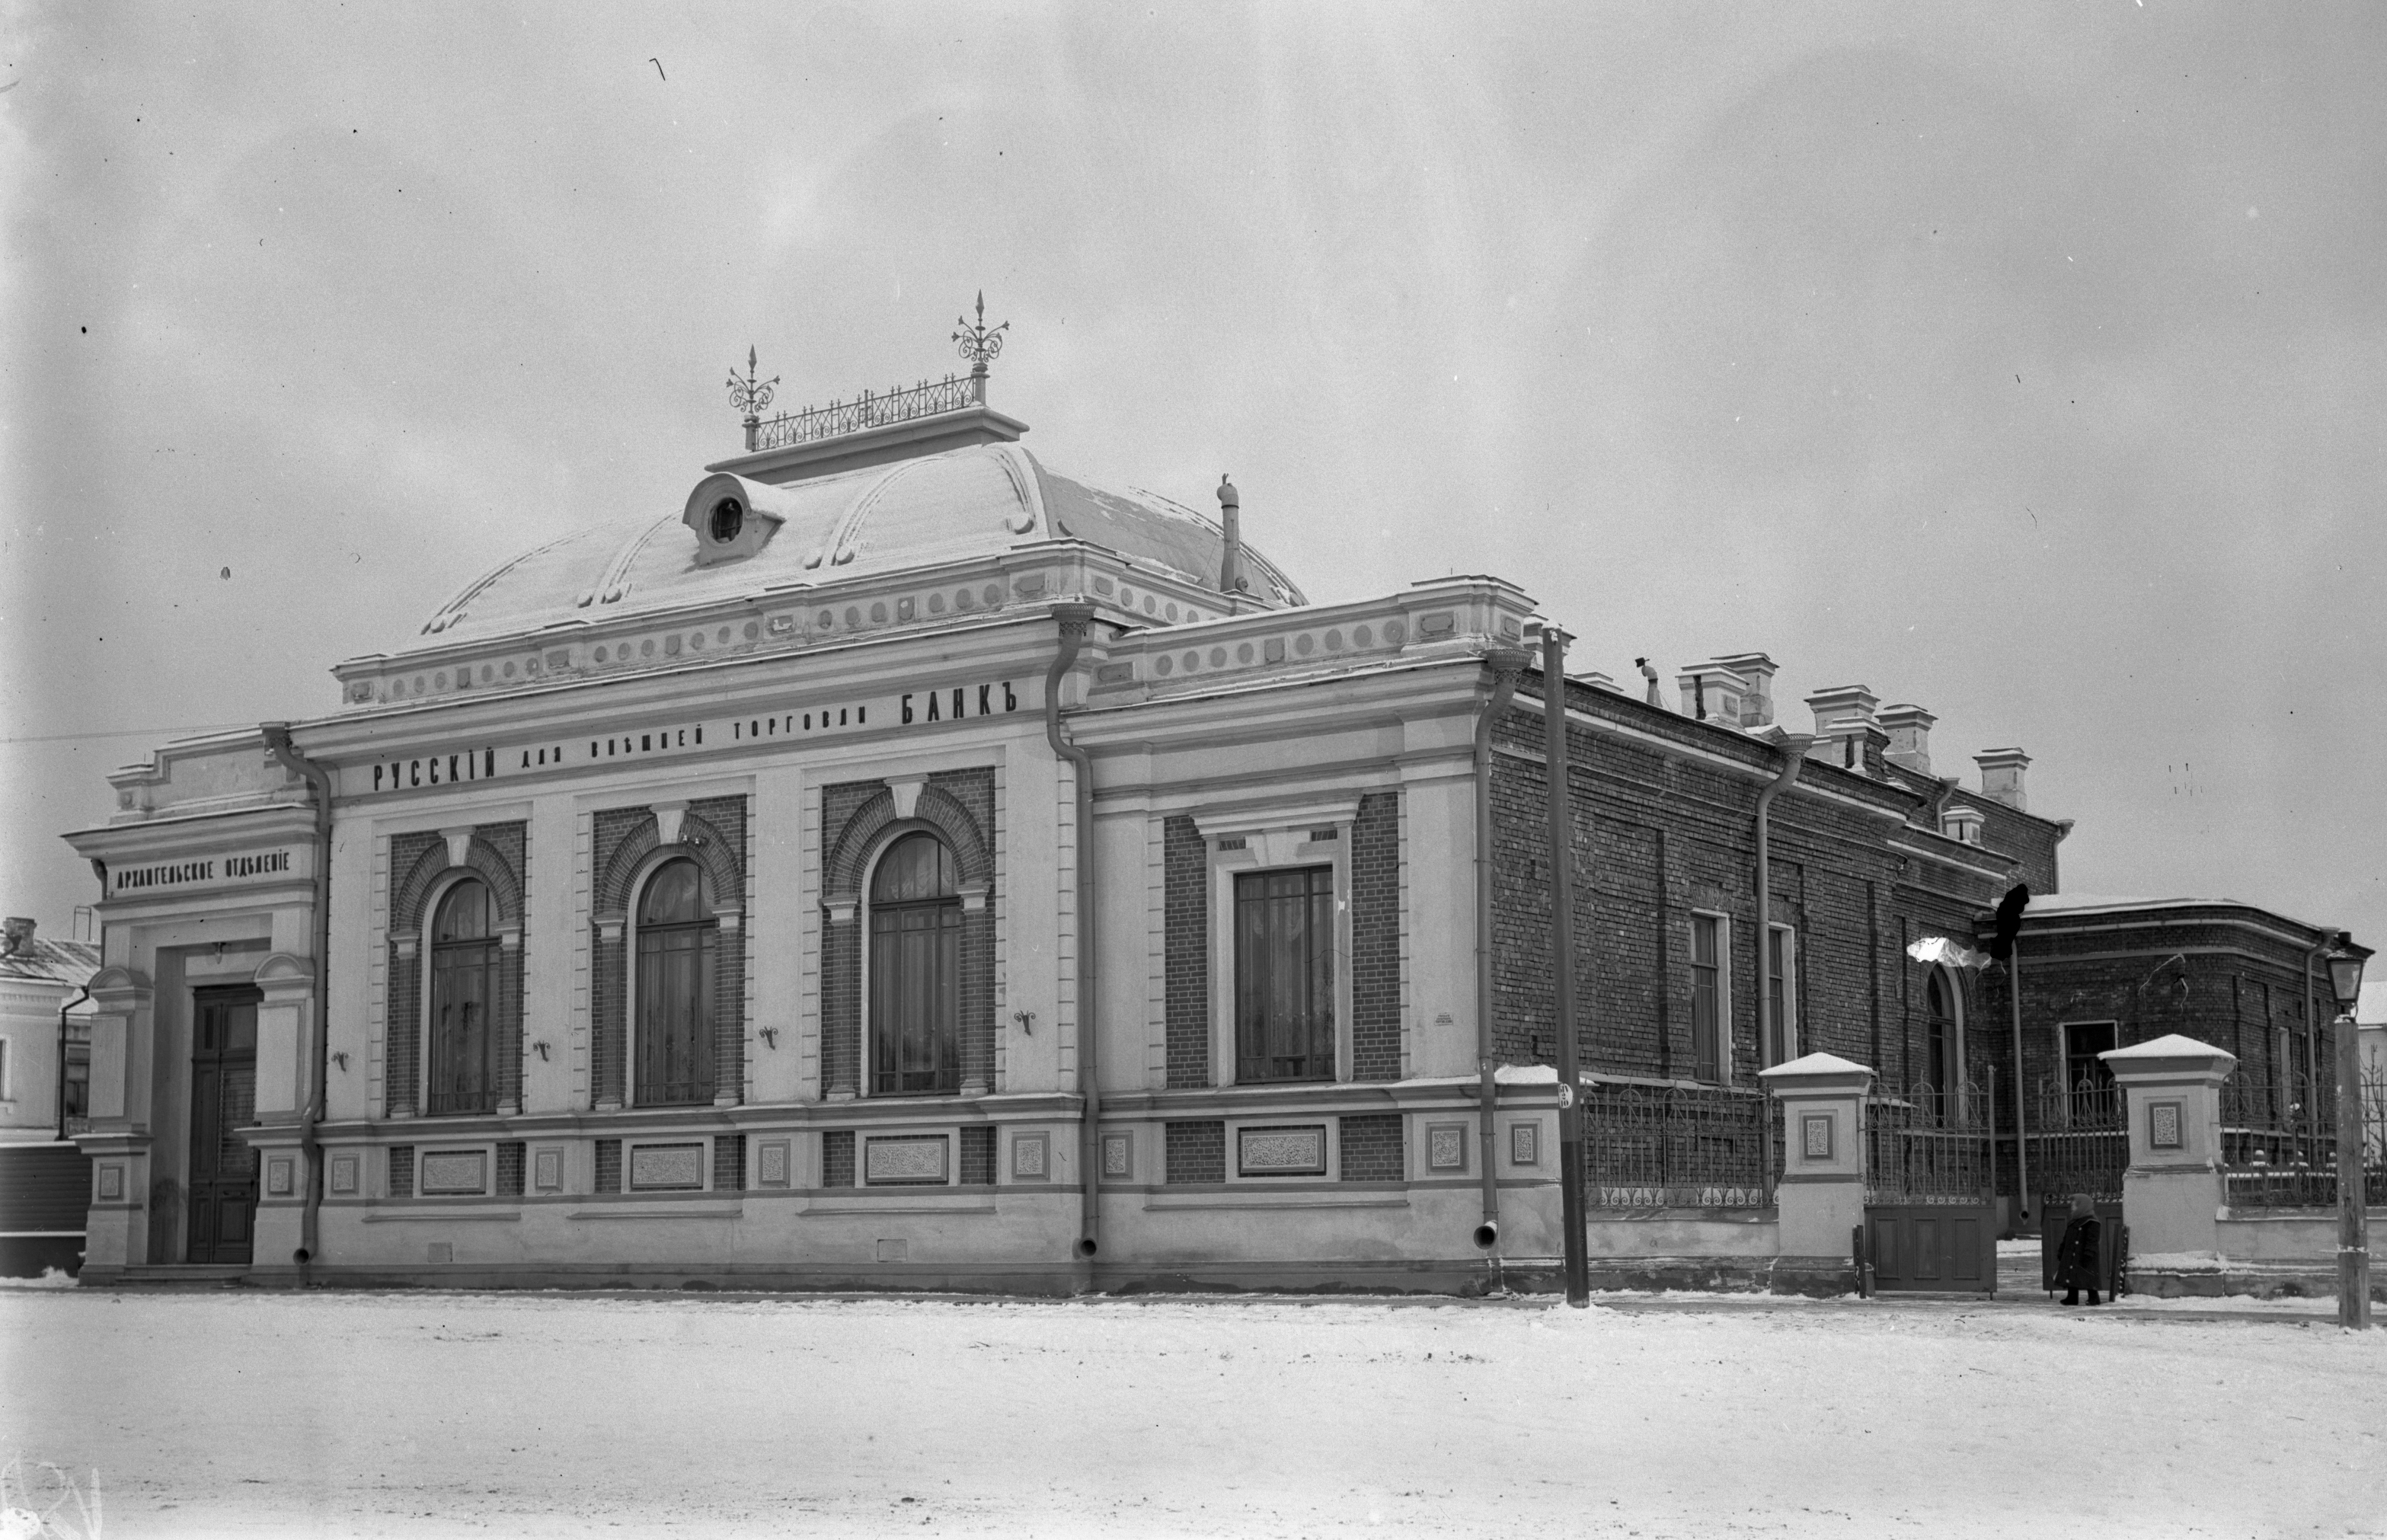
(732, 518)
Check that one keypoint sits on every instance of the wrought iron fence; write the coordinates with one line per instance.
(1930, 1145)
(2279, 1141)
(1678, 1148)
(2079, 1140)
(902, 404)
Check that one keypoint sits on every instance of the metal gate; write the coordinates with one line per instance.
(1930, 1216)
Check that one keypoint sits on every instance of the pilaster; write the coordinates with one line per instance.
(1819, 1196)
(2173, 1192)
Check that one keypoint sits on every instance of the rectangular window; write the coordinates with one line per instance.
(2088, 1084)
(77, 1083)
(1284, 974)
(1782, 993)
(1711, 1012)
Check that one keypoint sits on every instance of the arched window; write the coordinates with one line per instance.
(1940, 1039)
(676, 938)
(464, 999)
(916, 969)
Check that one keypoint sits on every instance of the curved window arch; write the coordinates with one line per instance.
(915, 946)
(1939, 1036)
(462, 1059)
(679, 939)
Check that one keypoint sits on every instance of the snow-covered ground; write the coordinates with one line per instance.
(549, 1414)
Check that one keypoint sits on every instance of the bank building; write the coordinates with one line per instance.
(907, 866)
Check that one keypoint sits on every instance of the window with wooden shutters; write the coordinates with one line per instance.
(462, 1061)
(915, 946)
(677, 935)
(1284, 974)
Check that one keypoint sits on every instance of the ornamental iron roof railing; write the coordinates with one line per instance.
(977, 344)
(900, 404)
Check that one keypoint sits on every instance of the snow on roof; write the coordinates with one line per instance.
(43, 961)
(2100, 903)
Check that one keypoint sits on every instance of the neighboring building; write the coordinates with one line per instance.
(759, 892)
(45, 1018)
(40, 977)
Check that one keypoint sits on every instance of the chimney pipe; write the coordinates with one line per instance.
(1231, 576)
(2002, 771)
(1910, 736)
(16, 933)
(1649, 675)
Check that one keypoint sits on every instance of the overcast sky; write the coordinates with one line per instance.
(2028, 364)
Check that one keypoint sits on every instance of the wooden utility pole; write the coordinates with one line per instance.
(2353, 1244)
(1578, 1262)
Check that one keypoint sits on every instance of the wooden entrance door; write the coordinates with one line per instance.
(223, 1099)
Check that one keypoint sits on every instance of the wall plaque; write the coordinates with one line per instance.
(111, 1184)
(546, 1170)
(666, 1167)
(2164, 1126)
(1815, 1136)
(771, 1162)
(344, 1175)
(1119, 1156)
(918, 1158)
(453, 1171)
(1032, 1157)
(1524, 1143)
(1445, 1145)
(278, 1179)
(1282, 1152)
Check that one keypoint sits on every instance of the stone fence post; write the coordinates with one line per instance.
(2173, 1192)
(1819, 1194)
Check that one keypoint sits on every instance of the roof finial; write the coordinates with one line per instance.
(750, 395)
(979, 345)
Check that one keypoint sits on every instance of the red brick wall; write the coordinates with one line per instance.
(1656, 835)
(837, 1158)
(1185, 952)
(1371, 1144)
(1195, 1152)
(1376, 938)
(2184, 971)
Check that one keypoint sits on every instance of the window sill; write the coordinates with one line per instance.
(1243, 1196)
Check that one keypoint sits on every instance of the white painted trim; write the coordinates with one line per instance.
(1273, 846)
(1260, 817)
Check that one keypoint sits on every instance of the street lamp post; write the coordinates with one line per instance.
(2352, 1245)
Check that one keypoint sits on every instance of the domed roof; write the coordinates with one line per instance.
(975, 502)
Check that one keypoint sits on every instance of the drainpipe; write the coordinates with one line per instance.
(1074, 619)
(318, 781)
(1506, 663)
(1794, 747)
(1230, 569)
(2312, 1055)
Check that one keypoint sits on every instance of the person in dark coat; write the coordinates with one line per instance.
(2076, 1254)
